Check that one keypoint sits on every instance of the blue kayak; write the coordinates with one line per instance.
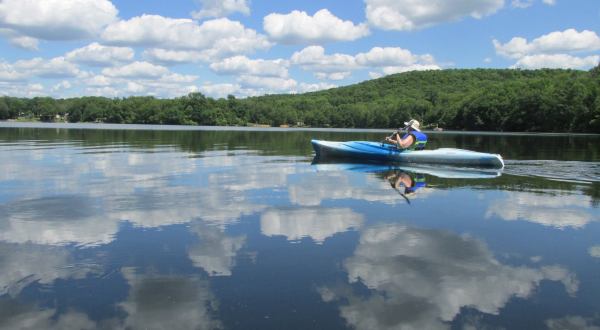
(382, 152)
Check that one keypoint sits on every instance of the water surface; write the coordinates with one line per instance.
(237, 229)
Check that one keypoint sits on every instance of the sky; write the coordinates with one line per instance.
(120, 48)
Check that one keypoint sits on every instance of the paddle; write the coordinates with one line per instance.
(401, 194)
(398, 131)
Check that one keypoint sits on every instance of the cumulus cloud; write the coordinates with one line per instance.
(552, 50)
(63, 85)
(318, 224)
(559, 211)
(569, 40)
(241, 65)
(417, 14)
(221, 8)
(57, 67)
(218, 37)
(20, 89)
(274, 84)
(313, 58)
(219, 90)
(96, 54)
(521, 3)
(446, 273)
(136, 70)
(19, 40)
(57, 19)
(338, 66)
(172, 57)
(395, 60)
(298, 27)
(556, 61)
(8, 73)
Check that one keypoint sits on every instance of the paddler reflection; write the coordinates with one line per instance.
(405, 183)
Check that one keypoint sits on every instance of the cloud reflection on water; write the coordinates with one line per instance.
(316, 223)
(421, 278)
(550, 209)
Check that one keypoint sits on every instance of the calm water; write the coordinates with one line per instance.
(237, 229)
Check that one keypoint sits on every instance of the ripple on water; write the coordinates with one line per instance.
(571, 171)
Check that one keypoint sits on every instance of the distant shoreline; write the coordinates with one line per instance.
(152, 127)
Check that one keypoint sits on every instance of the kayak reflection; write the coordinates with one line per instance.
(407, 180)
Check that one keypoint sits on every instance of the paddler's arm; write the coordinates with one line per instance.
(407, 142)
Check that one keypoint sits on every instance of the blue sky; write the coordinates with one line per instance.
(69, 48)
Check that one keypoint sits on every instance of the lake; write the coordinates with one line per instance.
(181, 228)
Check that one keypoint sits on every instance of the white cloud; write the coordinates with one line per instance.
(221, 8)
(63, 85)
(171, 57)
(98, 81)
(556, 61)
(219, 90)
(20, 89)
(25, 42)
(338, 66)
(569, 40)
(8, 73)
(413, 67)
(268, 84)
(315, 223)
(306, 87)
(164, 84)
(19, 40)
(521, 3)
(446, 272)
(417, 14)
(333, 76)
(57, 67)
(98, 55)
(313, 58)
(298, 27)
(136, 70)
(216, 38)
(392, 56)
(241, 65)
(57, 19)
(549, 2)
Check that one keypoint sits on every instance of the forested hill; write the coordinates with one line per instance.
(470, 99)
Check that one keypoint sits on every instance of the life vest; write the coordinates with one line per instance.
(420, 140)
(418, 183)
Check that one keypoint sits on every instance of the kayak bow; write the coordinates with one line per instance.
(380, 152)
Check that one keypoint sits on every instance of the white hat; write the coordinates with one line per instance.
(414, 124)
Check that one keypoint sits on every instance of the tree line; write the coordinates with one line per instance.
(547, 100)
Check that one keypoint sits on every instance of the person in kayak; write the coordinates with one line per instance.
(409, 183)
(413, 139)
